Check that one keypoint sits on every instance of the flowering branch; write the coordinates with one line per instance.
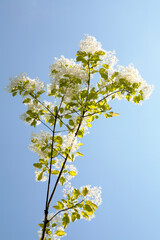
(80, 102)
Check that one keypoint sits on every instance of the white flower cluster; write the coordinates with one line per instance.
(94, 194)
(62, 67)
(132, 75)
(68, 168)
(40, 140)
(110, 59)
(50, 106)
(27, 84)
(68, 189)
(68, 140)
(90, 45)
(34, 107)
(41, 144)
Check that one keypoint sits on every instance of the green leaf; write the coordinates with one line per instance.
(62, 180)
(37, 165)
(55, 172)
(56, 110)
(105, 115)
(79, 154)
(114, 114)
(80, 134)
(61, 110)
(92, 205)
(65, 220)
(87, 208)
(84, 94)
(91, 118)
(40, 175)
(26, 100)
(58, 140)
(75, 216)
(34, 123)
(85, 191)
(14, 94)
(54, 153)
(76, 193)
(81, 53)
(81, 59)
(80, 144)
(67, 116)
(72, 173)
(54, 225)
(106, 66)
(60, 233)
(60, 205)
(103, 73)
(41, 225)
(48, 231)
(128, 97)
(84, 214)
(71, 122)
(100, 52)
(56, 207)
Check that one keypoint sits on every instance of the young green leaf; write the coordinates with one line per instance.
(60, 233)
(65, 220)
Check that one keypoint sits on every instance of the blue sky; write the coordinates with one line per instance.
(121, 154)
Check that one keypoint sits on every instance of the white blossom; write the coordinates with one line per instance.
(27, 84)
(68, 189)
(39, 140)
(90, 45)
(69, 140)
(68, 168)
(94, 194)
(59, 69)
(110, 59)
(34, 107)
(131, 74)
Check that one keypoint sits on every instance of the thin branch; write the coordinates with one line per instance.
(63, 210)
(108, 96)
(42, 104)
(47, 108)
(61, 131)
(45, 125)
(48, 186)
(74, 111)
(61, 155)
(49, 179)
(65, 160)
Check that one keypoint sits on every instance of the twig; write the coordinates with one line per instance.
(63, 210)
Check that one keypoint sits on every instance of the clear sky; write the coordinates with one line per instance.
(121, 154)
